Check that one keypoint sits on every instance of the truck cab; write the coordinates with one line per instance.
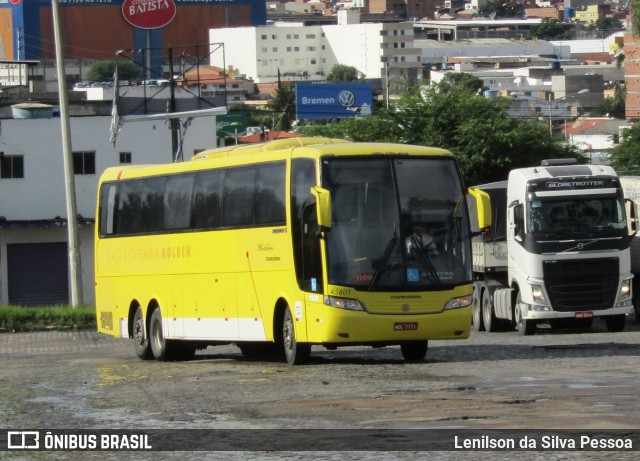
(564, 247)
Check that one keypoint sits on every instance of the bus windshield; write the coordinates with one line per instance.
(398, 224)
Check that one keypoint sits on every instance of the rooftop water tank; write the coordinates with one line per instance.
(32, 110)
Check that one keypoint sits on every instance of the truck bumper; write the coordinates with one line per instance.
(534, 312)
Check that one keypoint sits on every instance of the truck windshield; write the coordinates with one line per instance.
(575, 216)
(397, 224)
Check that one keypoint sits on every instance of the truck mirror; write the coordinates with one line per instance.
(632, 213)
(323, 204)
(518, 222)
(483, 208)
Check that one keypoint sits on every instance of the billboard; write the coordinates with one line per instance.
(333, 100)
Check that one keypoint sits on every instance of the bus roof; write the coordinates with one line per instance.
(272, 150)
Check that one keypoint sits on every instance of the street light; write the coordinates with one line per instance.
(583, 91)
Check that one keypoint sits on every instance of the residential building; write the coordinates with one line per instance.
(266, 54)
(407, 9)
(632, 75)
(33, 215)
(591, 13)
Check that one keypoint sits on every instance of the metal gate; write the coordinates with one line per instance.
(38, 273)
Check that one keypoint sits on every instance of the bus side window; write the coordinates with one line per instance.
(311, 255)
(304, 224)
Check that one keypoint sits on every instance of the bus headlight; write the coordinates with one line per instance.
(460, 301)
(344, 303)
(538, 294)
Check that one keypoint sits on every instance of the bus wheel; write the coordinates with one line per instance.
(414, 351)
(296, 353)
(615, 323)
(140, 340)
(476, 309)
(162, 349)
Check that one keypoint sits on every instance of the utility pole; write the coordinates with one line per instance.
(75, 271)
(174, 122)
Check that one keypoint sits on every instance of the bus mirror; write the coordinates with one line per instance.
(483, 207)
(323, 203)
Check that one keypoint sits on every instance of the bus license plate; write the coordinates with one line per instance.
(584, 315)
(405, 326)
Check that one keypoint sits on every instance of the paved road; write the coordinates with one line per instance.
(83, 380)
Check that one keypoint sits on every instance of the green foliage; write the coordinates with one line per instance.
(613, 106)
(605, 23)
(463, 80)
(550, 29)
(102, 71)
(343, 73)
(15, 318)
(284, 106)
(502, 9)
(625, 157)
(485, 140)
(378, 128)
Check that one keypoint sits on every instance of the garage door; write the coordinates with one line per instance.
(38, 273)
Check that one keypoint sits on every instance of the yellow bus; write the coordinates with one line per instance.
(283, 245)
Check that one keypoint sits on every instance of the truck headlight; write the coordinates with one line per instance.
(460, 301)
(344, 303)
(538, 294)
(625, 289)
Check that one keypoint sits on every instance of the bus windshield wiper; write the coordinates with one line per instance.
(420, 253)
(385, 259)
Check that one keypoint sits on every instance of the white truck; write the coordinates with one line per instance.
(631, 189)
(558, 250)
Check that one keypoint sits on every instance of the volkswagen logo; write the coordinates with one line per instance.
(405, 308)
(346, 98)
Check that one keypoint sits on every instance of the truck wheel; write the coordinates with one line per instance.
(296, 353)
(488, 316)
(476, 308)
(414, 351)
(615, 323)
(525, 327)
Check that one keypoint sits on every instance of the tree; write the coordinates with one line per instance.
(463, 80)
(284, 106)
(452, 115)
(606, 24)
(625, 157)
(502, 9)
(343, 73)
(613, 106)
(549, 29)
(102, 71)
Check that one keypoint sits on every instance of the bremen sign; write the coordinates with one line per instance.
(149, 14)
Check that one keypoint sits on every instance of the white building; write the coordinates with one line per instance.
(310, 52)
(33, 233)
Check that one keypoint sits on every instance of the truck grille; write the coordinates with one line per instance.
(583, 284)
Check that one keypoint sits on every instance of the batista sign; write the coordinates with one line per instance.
(149, 14)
